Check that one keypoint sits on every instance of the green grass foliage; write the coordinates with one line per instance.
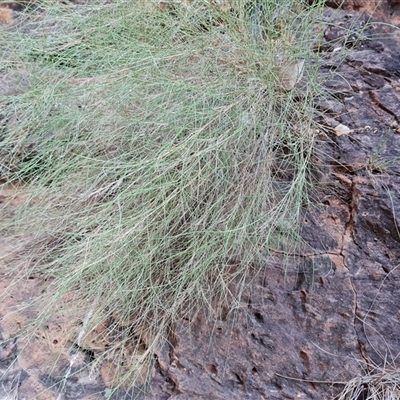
(164, 146)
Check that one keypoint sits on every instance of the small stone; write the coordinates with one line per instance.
(6, 15)
(342, 130)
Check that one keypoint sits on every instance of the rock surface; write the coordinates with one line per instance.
(388, 9)
(332, 316)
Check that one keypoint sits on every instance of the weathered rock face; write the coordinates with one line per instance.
(370, 6)
(388, 10)
(335, 313)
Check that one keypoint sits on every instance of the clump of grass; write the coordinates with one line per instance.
(165, 150)
(381, 385)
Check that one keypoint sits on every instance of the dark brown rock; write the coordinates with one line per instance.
(388, 9)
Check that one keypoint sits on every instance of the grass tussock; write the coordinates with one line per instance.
(167, 149)
(381, 385)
